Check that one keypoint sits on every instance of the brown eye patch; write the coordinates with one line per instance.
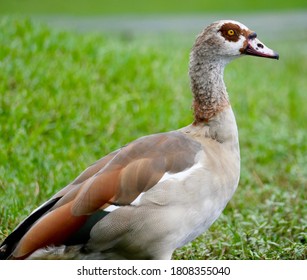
(231, 32)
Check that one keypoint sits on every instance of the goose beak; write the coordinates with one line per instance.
(256, 48)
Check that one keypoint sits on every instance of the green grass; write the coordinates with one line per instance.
(105, 7)
(68, 99)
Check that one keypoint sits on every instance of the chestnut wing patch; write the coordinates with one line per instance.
(135, 169)
(118, 179)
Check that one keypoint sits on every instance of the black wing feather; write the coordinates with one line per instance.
(9, 244)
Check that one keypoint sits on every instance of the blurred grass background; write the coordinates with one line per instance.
(105, 7)
(67, 99)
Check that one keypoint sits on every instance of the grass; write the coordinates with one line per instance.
(106, 7)
(68, 99)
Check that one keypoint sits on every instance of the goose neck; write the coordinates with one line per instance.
(208, 87)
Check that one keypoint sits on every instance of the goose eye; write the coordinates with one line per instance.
(230, 32)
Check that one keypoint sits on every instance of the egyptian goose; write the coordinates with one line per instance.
(160, 191)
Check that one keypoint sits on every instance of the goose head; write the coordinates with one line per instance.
(228, 39)
(218, 44)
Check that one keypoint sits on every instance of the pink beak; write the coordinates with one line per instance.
(256, 48)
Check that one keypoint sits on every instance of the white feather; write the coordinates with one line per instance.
(180, 175)
(111, 208)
